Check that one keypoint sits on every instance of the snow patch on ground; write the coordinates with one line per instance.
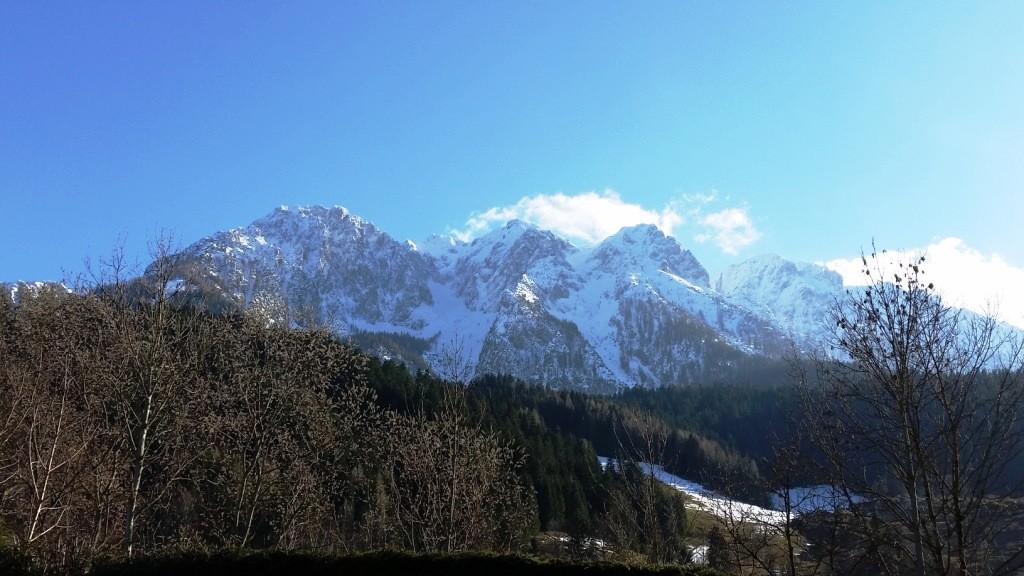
(804, 499)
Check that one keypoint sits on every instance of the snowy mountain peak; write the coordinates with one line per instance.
(330, 267)
(513, 232)
(440, 243)
(638, 248)
(495, 262)
(517, 224)
(293, 222)
(316, 213)
(761, 278)
(793, 294)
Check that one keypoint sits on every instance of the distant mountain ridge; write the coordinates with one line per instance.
(637, 309)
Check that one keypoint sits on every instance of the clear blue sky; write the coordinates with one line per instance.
(826, 124)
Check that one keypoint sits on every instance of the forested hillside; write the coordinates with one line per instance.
(135, 423)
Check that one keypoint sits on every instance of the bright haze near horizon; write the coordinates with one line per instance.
(804, 129)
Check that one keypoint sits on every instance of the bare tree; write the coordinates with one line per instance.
(918, 420)
(12, 403)
(773, 541)
(53, 437)
(453, 362)
(148, 349)
(274, 432)
(455, 486)
(46, 428)
(644, 514)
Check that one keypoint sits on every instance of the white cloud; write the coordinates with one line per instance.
(731, 229)
(963, 276)
(590, 217)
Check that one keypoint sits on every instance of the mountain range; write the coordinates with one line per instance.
(637, 309)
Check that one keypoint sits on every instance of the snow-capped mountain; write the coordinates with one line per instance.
(15, 290)
(791, 295)
(637, 309)
(330, 267)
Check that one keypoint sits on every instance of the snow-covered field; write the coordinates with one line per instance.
(803, 500)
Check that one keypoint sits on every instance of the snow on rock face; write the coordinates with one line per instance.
(528, 341)
(637, 309)
(645, 248)
(324, 262)
(792, 294)
(765, 278)
(493, 264)
(655, 315)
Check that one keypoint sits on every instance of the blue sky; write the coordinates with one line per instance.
(800, 128)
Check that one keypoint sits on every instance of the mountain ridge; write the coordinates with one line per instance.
(637, 309)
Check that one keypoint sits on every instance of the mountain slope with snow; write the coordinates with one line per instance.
(636, 309)
(791, 295)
